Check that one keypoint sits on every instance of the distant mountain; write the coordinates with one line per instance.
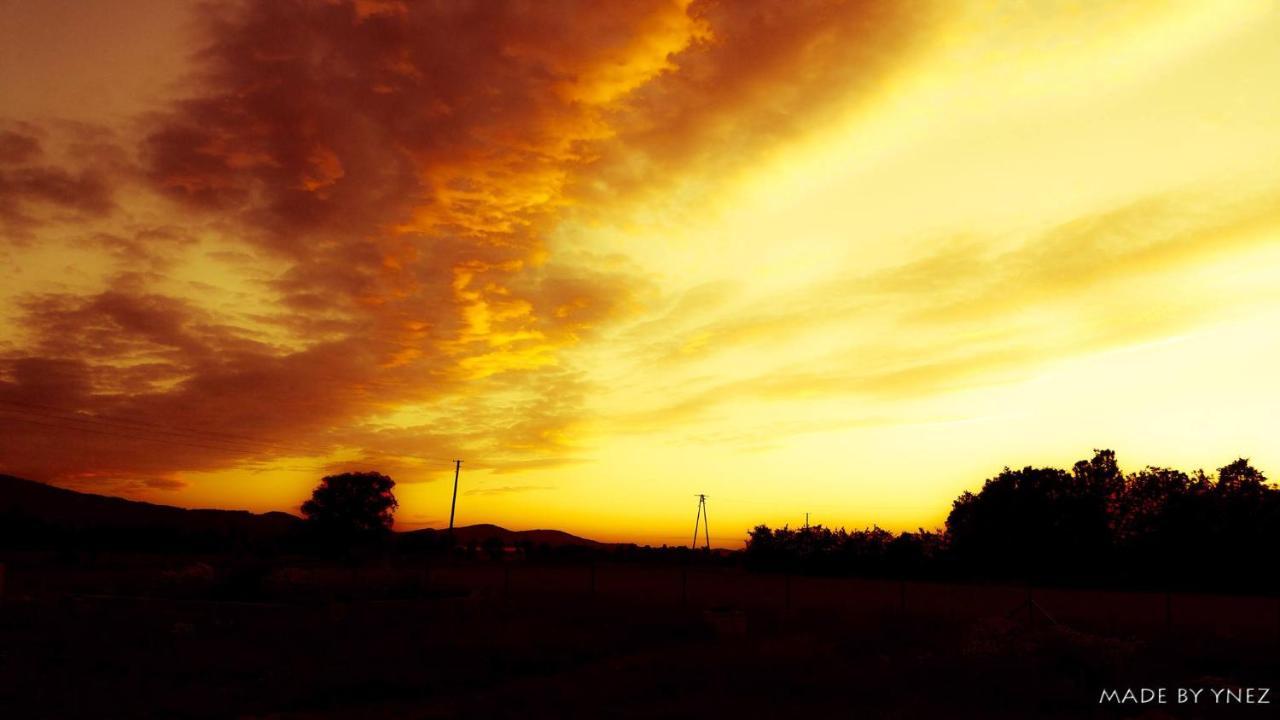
(35, 507)
(32, 511)
(480, 533)
(35, 510)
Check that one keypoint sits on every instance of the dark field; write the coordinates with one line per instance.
(140, 638)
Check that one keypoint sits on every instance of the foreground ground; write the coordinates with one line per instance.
(206, 639)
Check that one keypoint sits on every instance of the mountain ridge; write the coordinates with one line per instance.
(64, 509)
(484, 531)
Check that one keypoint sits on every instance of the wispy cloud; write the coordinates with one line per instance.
(507, 489)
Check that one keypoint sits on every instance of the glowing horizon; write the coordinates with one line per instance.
(843, 258)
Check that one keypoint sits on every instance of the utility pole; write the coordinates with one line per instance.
(701, 517)
(806, 521)
(457, 468)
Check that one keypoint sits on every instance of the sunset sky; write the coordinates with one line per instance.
(843, 258)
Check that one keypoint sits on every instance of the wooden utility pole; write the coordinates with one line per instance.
(457, 468)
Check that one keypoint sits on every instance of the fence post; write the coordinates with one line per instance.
(786, 593)
(684, 586)
(902, 597)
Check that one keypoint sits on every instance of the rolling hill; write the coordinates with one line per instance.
(482, 532)
(37, 505)
(30, 508)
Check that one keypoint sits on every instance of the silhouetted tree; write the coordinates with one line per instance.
(1241, 479)
(1143, 510)
(1094, 523)
(1029, 521)
(817, 549)
(1244, 534)
(914, 553)
(352, 506)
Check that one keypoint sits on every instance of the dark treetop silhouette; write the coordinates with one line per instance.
(1093, 524)
(352, 505)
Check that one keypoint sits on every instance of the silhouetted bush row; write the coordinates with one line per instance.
(1093, 524)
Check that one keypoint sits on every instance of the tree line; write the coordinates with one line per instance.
(1093, 524)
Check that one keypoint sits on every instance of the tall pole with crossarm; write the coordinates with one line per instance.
(701, 518)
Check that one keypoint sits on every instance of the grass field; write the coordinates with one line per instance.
(204, 639)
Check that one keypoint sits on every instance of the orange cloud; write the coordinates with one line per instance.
(400, 162)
